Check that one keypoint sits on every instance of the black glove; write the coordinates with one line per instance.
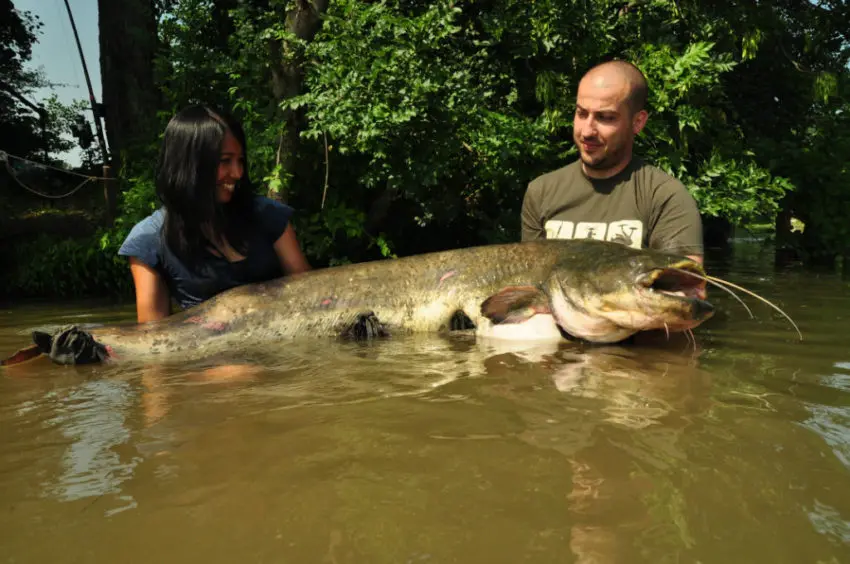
(70, 345)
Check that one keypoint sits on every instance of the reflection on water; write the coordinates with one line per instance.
(443, 449)
(632, 388)
(833, 424)
(92, 417)
(827, 521)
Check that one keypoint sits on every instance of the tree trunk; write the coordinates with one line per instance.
(287, 69)
(128, 41)
(717, 232)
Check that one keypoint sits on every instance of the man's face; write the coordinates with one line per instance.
(604, 126)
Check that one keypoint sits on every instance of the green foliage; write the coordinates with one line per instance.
(739, 191)
(460, 105)
(412, 102)
(821, 168)
(67, 128)
(421, 123)
(25, 131)
(45, 267)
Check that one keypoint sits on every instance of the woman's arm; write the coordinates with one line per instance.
(152, 299)
(292, 260)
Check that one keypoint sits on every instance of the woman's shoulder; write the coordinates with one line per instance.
(272, 217)
(151, 223)
(266, 205)
(143, 239)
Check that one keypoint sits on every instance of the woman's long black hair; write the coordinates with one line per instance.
(186, 183)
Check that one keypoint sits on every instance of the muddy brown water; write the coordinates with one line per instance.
(436, 449)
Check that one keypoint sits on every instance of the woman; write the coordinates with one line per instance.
(213, 232)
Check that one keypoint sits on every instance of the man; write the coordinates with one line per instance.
(609, 193)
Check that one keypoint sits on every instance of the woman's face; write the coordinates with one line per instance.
(230, 167)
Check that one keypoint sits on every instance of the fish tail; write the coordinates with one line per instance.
(23, 355)
(68, 345)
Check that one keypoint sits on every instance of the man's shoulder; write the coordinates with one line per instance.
(655, 178)
(552, 181)
(559, 174)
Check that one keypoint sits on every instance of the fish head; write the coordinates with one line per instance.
(615, 291)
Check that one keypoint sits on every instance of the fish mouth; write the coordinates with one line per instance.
(683, 282)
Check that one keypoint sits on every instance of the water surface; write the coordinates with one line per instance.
(444, 449)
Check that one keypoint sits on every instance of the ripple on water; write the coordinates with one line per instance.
(828, 521)
(832, 423)
(450, 448)
(92, 417)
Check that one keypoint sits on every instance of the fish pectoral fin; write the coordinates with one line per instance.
(366, 326)
(43, 344)
(460, 321)
(42, 340)
(22, 355)
(515, 304)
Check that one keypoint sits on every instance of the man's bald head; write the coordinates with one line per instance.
(624, 75)
(609, 114)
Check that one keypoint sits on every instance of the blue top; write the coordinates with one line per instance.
(146, 243)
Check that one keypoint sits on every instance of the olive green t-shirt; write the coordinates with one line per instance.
(641, 206)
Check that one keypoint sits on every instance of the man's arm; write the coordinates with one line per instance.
(676, 222)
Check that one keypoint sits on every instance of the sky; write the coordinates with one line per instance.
(57, 55)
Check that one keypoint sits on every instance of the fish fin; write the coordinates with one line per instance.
(367, 326)
(460, 321)
(44, 341)
(70, 345)
(22, 355)
(515, 304)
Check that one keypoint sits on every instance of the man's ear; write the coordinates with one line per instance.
(639, 121)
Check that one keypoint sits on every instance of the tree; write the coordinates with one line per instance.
(30, 130)
(418, 124)
(128, 45)
(21, 128)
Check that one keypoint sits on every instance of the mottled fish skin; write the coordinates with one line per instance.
(412, 294)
